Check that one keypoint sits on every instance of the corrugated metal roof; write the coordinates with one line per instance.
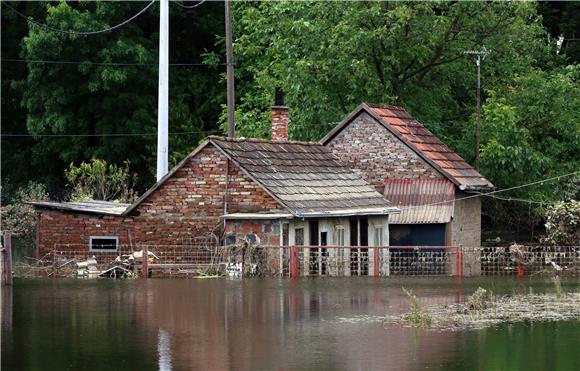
(92, 206)
(421, 201)
(306, 177)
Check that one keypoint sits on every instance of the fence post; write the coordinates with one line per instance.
(459, 261)
(376, 262)
(7, 260)
(521, 256)
(145, 263)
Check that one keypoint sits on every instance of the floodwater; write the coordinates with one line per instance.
(266, 324)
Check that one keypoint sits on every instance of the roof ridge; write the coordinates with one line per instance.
(260, 140)
(385, 105)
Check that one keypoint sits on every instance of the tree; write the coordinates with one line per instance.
(98, 96)
(330, 57)
(98, 181)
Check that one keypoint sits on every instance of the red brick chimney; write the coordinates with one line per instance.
(279, 118)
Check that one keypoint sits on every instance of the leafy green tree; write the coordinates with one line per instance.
(530, 131)
(99, 181)
(99, 96)
(330, 57)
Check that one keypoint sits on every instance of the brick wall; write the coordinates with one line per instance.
(370, 148)
(280, 123)
(187, 206)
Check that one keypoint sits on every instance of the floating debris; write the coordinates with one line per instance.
(498, 310)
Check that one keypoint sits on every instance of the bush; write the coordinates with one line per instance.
(99, 181)
(563, 224)
(19, 218)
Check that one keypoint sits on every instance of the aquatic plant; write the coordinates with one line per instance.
(558, 286)
(416, 316)
(479, 300)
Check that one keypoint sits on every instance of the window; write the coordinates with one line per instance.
(379, 236)
(299, 236)
(104, 243)
(230, 239)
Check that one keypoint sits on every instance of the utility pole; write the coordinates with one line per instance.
(163, 99)
(230, 72)
(480, 54)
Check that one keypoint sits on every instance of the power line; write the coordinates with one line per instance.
(479, 194)
(80, 33)
(107, 63)
(189, 6)
(105, 135)
(520, 200)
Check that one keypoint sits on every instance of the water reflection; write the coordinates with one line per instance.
(164, 350)
(252, 324)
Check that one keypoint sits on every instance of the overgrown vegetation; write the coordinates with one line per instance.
(482, 309)
(479, 300)
(18, 217)
(563, 224)
(98, 180)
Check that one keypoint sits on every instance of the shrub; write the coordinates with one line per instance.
(563, 224)
(98, 180)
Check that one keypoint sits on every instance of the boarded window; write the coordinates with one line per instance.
(104, 243)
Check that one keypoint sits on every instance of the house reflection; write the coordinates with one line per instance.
(285, 325)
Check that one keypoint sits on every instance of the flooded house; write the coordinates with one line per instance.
(260, 192)
(432, 185)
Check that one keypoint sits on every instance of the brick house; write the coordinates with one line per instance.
(415, 171)
(273, 193)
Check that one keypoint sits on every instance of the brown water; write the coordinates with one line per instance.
(265, 324)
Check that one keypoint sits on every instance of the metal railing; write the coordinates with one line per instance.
(299, 261)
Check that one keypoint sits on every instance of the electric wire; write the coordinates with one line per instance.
(106, 135)
(106, 63)
(80, 33)
(189, 6)
(481, 194)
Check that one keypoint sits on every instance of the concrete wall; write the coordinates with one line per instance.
(465, 228)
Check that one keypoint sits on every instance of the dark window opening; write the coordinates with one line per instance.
(314, 253)
(230, 239)
(323, 252)
(104, 244)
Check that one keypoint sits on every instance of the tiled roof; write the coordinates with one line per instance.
(421, 200)
(305, 177)
(92, 206)
(424, 143)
